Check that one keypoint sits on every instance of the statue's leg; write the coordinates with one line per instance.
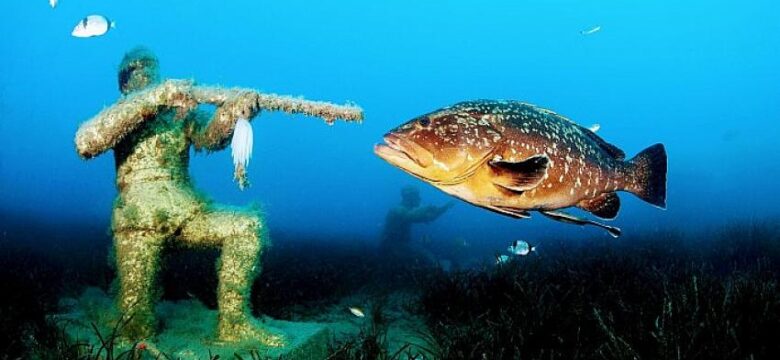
(241, 236)
(137, 261)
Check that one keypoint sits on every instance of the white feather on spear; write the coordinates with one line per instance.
(241, 146)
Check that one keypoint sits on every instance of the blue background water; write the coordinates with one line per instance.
(700, 76)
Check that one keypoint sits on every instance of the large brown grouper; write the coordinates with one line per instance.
(512, 157)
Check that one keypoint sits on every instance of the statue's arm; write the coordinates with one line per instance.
(212, 133)
(111, 125)
(428, 213)
(236, 103)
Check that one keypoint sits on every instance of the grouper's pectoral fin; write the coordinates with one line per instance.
(605, 206)
(521, 175)
(571, 219)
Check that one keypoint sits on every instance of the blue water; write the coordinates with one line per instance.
(702, 77)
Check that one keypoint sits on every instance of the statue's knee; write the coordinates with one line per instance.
(137, 242)
(254, 234)
(136, 255)
(249, 235)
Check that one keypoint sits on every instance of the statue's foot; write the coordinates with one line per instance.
(249, 330)
(137, 330)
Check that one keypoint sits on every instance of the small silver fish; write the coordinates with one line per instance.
(591, 31)
(92, 25)
(594, 127)
(357, 312)
(520, 248)
(501, 259)
(53, 3)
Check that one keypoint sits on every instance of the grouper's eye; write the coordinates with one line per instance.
(424, 122)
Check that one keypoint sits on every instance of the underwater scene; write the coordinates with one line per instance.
(401, 179)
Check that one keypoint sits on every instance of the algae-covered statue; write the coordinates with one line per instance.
(397, 232)
(151, 129)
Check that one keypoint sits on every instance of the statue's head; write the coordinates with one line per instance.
(138, 70)
(410, 197)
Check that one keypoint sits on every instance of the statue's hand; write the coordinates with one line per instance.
(176, 94)
(439, 210)
(242, 105)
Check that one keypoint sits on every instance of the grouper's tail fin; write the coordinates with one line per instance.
(648, 172)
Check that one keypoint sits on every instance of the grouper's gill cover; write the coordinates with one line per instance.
(441, 147)
(512, 157)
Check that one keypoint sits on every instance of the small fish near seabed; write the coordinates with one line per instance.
(520, 248)
(92, 25)
(512, 157)
(591, 31)
(502, 259)
(357, 312)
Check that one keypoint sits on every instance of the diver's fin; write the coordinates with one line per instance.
(605, 206)
(522, 175)
(649, 169)
(571, 219)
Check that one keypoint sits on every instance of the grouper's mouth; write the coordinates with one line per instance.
(418, 161)
(400, 152)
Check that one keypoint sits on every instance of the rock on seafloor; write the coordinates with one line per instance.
(186, 331)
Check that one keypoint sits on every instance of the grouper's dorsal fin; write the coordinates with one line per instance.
(519, 176)
(605, 206)
(612, 150)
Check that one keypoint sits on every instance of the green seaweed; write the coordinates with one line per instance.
(161, 218)
(654, 297)
(132, 214)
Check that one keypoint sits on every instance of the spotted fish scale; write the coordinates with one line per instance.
(581, 165)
